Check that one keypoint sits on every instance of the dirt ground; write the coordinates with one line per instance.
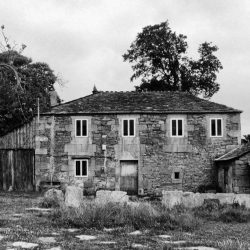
(17, 225)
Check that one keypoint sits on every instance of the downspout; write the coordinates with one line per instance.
(52, 149)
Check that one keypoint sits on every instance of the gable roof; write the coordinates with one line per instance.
(140, 102)
(235, 153)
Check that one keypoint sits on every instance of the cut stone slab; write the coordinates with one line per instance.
(55, 234)
(39, 210)
(25, 245)
(135, 245)
(109, 229)
(164, 236)
(178, 242)
(137, 232)
(72, 230)
(86, 237)
(198, 248)
(107, 242)
(17, 215)
(55, 248)
(47, 239)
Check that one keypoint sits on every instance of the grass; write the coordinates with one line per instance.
(140, 215)
(212, 229)
(224, 213)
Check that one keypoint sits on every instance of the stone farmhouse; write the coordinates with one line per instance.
(139, 142)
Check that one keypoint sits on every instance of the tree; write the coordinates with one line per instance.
(18, 99)
(158, 57)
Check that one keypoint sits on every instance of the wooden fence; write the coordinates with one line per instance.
(17, 168)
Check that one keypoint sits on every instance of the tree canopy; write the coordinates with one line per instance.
(18, 100)
(158, 58)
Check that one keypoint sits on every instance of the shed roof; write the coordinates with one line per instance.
(140, 102)
(235, 153)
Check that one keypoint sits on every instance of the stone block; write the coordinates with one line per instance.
(104, 196)
(243, 199)
(41, 138)
(55, 195)
(225, 198)
(41, 151)
(172, 198)
(190, 200)
(73, 196)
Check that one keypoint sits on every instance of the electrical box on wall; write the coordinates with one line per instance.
(141, 191)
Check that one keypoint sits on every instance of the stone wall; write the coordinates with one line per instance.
(192, 155)
(158, 154)
(191, 200)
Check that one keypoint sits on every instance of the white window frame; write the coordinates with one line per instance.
(87, 128)
(216, 130)
(87, 165)
(171, 131)
(128, 119)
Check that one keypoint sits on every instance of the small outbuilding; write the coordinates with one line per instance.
(234, 170)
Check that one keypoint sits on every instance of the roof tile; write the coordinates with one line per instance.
(140, 102)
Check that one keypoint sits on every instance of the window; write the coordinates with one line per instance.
(176, 127)
(216, 127)
(81, 168)
(176, 175)
(128, 127)
(81, 128)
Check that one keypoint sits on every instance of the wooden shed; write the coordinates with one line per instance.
(234, 170)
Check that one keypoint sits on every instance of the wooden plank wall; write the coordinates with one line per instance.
(22, 137)
(17, 169)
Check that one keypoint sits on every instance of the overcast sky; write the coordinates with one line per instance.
(83, 40)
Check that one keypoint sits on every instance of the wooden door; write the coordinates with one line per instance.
(129, 177)
(17, 169)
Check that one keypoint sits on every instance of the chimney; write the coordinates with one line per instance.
(53, 98)
(95, 91)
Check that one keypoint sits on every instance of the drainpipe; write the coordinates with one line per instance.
(52, 149)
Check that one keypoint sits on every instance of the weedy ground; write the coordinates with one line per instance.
(222, 227)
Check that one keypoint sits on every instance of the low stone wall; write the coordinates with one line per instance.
(190, 200)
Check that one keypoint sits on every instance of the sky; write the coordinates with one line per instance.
(83, 41)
